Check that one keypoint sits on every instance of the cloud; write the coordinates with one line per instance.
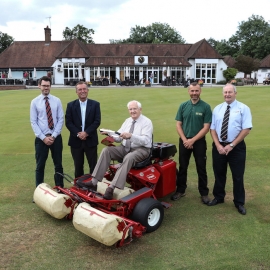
(194, 20)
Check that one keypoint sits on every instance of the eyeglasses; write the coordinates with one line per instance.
(46, 86)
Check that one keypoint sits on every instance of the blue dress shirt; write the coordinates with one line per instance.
(240, 118)
(38, 116)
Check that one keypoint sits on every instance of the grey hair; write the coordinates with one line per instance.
(138, 103)
(232, 85)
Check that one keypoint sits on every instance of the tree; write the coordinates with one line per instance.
(80, 32)
(115, 41)
(246, 64)
(223, 47)
(229, 73)
(249, 37)
(5, 41)
(155, 33)
(263, 48)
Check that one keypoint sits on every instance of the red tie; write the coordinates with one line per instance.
(49, 113)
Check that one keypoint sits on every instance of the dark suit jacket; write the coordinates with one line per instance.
(74, 122)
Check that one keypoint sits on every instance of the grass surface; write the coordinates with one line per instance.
(192, 235)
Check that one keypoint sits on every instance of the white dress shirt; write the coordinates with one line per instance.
(142, 134)
(83, 110)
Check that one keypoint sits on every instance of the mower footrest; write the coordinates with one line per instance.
(137, 193)
(117, 193)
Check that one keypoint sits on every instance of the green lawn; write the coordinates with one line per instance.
(192, 235)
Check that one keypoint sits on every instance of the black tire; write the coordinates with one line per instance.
(149, 212)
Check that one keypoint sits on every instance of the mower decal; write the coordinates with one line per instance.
(47, 191)
(121, 226)
(151, 176)
(68, 203)
(92, 212)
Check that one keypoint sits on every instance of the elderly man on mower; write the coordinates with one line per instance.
(136, 142)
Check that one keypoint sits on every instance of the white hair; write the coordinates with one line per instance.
(138, 103)
(230, 84)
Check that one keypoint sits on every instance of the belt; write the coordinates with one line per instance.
(225, 143)
(48, 135)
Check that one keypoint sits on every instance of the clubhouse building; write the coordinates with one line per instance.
(69, 61)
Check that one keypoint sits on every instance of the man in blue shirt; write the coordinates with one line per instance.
(229, 147)
(48, 133)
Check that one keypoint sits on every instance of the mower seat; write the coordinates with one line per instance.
(147, 161)
(144, 162)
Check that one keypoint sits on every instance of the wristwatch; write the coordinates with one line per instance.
(232, 145)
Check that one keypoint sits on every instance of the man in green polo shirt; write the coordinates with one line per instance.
(193, 122)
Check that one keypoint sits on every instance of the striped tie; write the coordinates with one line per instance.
(128, 142)
(49, 113)
(224, 127)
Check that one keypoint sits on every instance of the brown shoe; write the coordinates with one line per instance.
(108, 194)
(177, 195)
(90, 185)
(205, 199)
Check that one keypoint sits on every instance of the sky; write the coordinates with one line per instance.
(194, 20)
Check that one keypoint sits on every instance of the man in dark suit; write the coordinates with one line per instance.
(82, 120)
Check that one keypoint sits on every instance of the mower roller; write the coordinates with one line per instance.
(132, 211)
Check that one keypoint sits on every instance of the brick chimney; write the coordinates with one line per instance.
(47, 34)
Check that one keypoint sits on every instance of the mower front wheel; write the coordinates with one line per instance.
(149, 212)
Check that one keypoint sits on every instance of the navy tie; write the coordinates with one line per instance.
(224, 127)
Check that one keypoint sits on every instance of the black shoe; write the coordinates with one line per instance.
(90, 185)
(177, 195)
(214, 202)
(205, 199)
(241, 209)
(33, 201)
(108, 194)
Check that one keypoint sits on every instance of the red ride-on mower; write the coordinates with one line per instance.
(132, 211)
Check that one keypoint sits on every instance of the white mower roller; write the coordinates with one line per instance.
(104, 228)
(55, 204)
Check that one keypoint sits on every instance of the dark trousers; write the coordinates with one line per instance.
(236, 160)
(199, 153)
(42, 151)
(78, 158)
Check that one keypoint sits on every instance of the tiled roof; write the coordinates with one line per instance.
(202, 49)
(265, 63)
(29, 54)
(38, 54)
(229, 61)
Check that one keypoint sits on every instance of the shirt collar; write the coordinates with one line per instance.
(231, 104)
(83, 102)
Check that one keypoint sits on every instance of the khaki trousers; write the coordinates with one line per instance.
(118, 153)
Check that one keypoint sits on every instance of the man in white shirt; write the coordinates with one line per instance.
(47, 131)
(136, 142)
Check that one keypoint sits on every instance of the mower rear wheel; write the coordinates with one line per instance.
(149, 212)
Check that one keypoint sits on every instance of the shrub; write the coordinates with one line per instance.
(229, 73)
